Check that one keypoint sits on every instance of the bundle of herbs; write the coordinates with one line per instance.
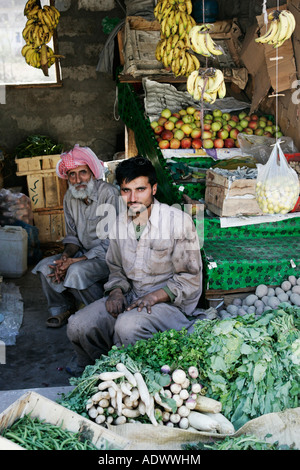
(250, 364)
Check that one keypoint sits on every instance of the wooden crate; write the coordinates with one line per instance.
(45, 409)
(230, 199)
(45, 188)
(50, 223)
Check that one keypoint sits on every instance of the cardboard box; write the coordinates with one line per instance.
(53, 413)
(230, 198)
(45, 188)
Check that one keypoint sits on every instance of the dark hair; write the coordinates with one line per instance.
(134, 167)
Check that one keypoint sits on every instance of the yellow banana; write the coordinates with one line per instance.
(196, 61)
(175, 40)
(33, 12)
(211, 45)
(183, 67)
(190, 82)
(222, 90)
(189, 7)
(269, 35)
(215, 82)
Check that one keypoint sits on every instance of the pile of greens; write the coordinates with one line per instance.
(37, 145)
(250, 364)
(243, 442)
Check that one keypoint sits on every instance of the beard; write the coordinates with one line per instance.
(82, 193)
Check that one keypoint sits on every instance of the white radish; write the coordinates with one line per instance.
(159, 401)
(97, 397)
(130, 413)
(190, 403)
(178, 376)
(134, 394)
(142, 408)
(110, 410)
(208, 405)
(166, 416)
(224, 425)
(126, 388)
(129, 376)
(150, 412)
(112, 392)
(128, 403)
(89, 404)
(142, 388)
(119, 402)
(170, 424)
(202, 422)
(100, 410)
(110, 376)
(109, 419)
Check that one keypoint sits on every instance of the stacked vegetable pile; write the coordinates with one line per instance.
(248, 366)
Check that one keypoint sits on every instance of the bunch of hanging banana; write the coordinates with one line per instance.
(37, 33)
(173, 47)
(281, 28)
(201, 41)
(207, 85)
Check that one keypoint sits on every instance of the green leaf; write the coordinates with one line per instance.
(259, 372)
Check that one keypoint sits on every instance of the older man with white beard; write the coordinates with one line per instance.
(76, 276)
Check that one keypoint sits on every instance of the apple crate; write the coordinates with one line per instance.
(50, 224)
(227, 198)
(45, 409)
(45, 188)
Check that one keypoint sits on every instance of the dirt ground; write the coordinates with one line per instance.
(40, 355)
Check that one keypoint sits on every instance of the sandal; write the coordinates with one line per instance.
(57, 321)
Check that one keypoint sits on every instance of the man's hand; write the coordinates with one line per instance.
(148, 300)
(61, 266)
(116, 302)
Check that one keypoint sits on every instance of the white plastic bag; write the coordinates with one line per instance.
(277, 187)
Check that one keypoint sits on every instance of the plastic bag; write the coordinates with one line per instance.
(277, 187)
(259, 146)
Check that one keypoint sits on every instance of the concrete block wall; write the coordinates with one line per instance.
(82, 110)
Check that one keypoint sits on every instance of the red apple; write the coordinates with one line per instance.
(222, 134)
(179, 134)
(235, 118)
(179, 123)
(206, 135)
(229, 143)
(253, 125)
(169, 125)
(197, 143)
(197, 115)
(207, 126)
(259, 131)
(187, 118)
(208, 143)
(218, 143)
(186, 143)
(248, 118)
(227, 127)
(248, 131)
(254, 117)
(182, 112)
(234, 133)
(197, 123)
(177, 115)
(162, 120)
(167, 135)
(174, 143)
(164, 144)
(196, 133)
(190, 109)
(158, 129)
(267, 134)
(232, 123)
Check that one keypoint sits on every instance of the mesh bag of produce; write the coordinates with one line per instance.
(277, 187)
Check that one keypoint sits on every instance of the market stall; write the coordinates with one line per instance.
(233, 383)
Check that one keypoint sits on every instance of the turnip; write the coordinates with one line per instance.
(174, 418)
(265, 299)
(175, 388)
(183, 411)
(298, 281)
(286, 285)
(278, 291)
(250, 299)
(193, 372)
(190, 403)
(100, 419)
(261, 291)
(251, 309)
(296, 289)
(295, 299)
(237, 301)
(186, 383)
(196, 388)
(258, 303)
(165, 369)
(283, 297)
(177, 400)
(184, 394)
(184, 423)
(273, 302)
(232, 309)
(165, 416)
(179, 376)
(292, 280)
(271, 292)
